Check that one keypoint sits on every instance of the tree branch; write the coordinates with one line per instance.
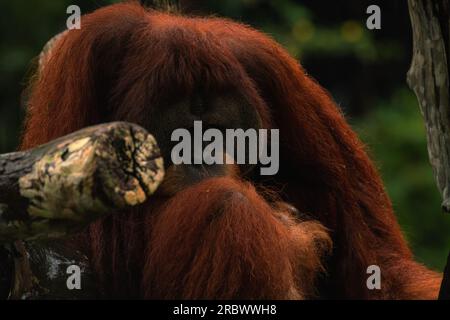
(62, 186)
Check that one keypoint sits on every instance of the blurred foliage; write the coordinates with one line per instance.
(395, 135)
(363, 69)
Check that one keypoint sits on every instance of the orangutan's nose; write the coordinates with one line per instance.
(198, 105)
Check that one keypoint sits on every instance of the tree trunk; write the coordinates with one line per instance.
(429, 78)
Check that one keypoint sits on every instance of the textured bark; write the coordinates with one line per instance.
(60, 187)
(429, 78)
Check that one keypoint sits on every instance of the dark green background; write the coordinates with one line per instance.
(364, 70)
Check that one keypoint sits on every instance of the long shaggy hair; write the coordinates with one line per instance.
(220, 239)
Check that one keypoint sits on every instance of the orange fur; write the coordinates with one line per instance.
(124, 61)
(229, 243)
